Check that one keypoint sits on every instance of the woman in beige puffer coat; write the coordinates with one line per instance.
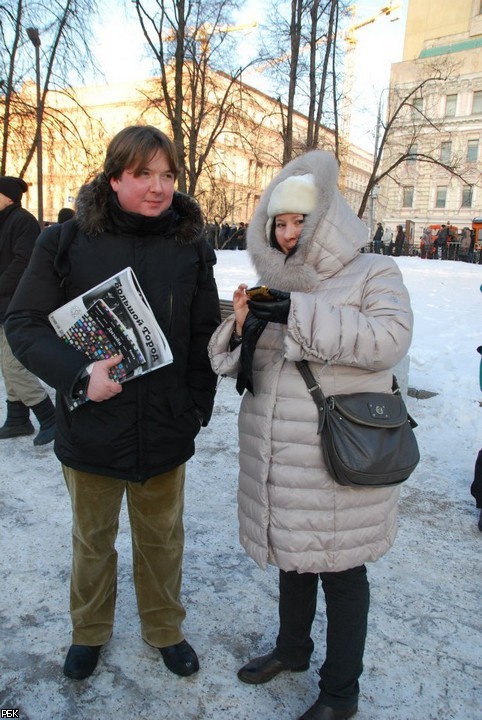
(349, 315)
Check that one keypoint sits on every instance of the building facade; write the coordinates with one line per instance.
(442, 64)
(244, 158)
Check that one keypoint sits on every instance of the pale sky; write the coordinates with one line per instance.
(121, 54)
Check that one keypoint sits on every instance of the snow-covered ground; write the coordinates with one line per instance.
(424, 649)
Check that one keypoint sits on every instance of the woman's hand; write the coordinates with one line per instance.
(101, 386)
(276, 310)
(240, 305)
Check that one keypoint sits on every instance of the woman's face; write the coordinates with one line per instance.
(287, 229)
(150, 192)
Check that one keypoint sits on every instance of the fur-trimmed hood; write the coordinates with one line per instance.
(332, 234)
(91, 211)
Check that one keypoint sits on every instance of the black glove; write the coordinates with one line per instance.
(252, 329)
(276, 310)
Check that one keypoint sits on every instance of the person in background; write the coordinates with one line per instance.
(240, 237)
(349, 315)
(426, 244)
(65, 214)
(387, 243)
(472, 248)
(399, 241)
(232, 242)
(224, 235)
(441, 242)
(212, 234)
(465, 245)
(18, 232)
(377, 239)
(476, 487)
(132, 439)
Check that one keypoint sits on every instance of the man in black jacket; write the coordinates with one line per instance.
(18, 232)
(133, 438)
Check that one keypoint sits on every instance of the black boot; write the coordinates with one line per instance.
(17, 422)
(81, 661)
(45, 414)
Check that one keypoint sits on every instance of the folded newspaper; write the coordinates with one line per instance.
(114, 318)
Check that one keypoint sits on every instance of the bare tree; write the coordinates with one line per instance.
(293, 62)
(64, 37)
(199, 92)
(318, 90)
(410, 134)
(303, 58)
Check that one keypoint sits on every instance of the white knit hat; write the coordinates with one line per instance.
(296, 194)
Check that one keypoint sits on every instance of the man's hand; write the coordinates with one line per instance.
(101, 386)
(276, 310)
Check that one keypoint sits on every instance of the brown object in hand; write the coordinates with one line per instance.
(260, 292)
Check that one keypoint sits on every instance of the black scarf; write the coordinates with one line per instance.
(129, 223)
(252, 329)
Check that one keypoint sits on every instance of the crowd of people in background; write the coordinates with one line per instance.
(447, 243)
(225, 236)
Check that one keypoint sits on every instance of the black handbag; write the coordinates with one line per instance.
(367, 438)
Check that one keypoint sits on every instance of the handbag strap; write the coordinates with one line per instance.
(315, 391)
(320, 401)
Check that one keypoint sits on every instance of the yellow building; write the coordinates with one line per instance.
(245, 157)
(444, 120)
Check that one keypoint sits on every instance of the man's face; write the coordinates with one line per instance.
(4, 202)
(150, 192)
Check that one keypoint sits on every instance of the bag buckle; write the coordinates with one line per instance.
(378, 410)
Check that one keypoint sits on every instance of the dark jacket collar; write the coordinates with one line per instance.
(93, 210)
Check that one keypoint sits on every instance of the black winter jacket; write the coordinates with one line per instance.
(18, 232)
(149, 427)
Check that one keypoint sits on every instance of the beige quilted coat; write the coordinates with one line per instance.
(350, 317)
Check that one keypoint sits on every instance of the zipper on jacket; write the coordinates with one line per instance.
(171, 303)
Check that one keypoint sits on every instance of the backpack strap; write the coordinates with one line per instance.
(68, 231)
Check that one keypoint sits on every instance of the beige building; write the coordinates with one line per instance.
(443, 119)
(244, 158)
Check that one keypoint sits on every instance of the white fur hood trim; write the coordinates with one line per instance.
(332, 234)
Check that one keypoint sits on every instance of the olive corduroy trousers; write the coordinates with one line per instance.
(155, 511)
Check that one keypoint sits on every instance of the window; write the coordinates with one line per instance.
(467, 193)
(417, 107)
(412, 153)
(446, 152)
(451, 105)
(477, 103)
(407, 200)
(472, 151)
(441, 196)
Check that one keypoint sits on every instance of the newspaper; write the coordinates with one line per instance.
(114, 318)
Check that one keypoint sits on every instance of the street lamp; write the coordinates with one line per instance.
(34, 37)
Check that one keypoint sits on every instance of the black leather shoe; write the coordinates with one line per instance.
(320, 711)
(265, 668)
(180, 659)
(81, 661)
